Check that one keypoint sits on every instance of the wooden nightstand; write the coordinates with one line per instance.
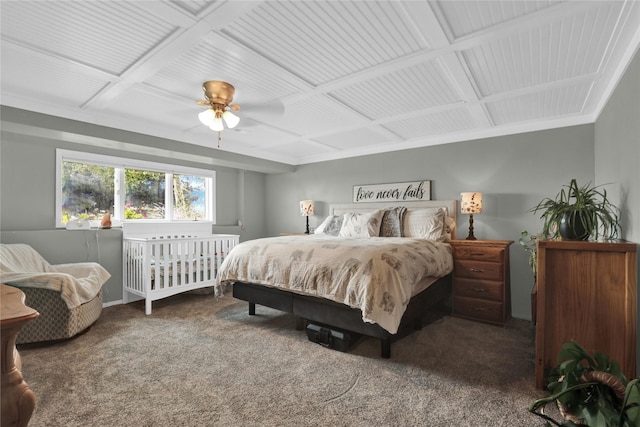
(481, 288)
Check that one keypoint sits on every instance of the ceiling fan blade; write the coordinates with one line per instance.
(265, 111)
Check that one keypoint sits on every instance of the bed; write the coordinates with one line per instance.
(158, 266)
(348, 277)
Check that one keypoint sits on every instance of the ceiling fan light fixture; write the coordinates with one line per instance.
(230, 119)
(207, 116)
(216, 124)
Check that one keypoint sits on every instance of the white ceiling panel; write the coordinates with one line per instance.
(193, 7)
(562, 101)
(467, 17)
(319, 80)
(300, 149)
(450, 121)
(256, 80)
(46, 77)
(320, 41)
(356, 138)
(409, 89)
(109, 36)
(135, 102)
(318, 115)
(557, 50)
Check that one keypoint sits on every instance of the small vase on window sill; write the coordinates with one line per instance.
(106, 221)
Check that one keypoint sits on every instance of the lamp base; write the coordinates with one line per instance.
(307, 232)
(471, 236)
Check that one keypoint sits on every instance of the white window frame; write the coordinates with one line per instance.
(120, 164)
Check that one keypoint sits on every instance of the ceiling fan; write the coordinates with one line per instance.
(218, 97)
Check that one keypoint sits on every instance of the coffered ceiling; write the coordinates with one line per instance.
(354, 77)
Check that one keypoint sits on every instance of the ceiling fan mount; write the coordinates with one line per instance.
(218, 93)
(218, 97)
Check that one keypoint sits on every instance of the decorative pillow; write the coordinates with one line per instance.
(449, 225)
(392, 221)
(330, 226)
(361, 224)
(427, 223)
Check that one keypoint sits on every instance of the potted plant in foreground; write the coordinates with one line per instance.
(578, 213)
(590, 391)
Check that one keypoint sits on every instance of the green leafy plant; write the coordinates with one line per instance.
(584, 206)
(590, 391)
(528, 242)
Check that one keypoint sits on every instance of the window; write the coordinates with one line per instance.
(90, 185)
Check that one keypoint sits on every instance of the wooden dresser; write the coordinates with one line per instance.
(586, 293)
(481, 289)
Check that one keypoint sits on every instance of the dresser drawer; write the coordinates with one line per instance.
(478, 253)
(478, 270)
(483, 289)
(478, 309)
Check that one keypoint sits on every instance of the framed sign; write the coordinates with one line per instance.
(400, 191)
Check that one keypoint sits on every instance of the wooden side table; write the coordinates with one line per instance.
(18, 401)
(481, 289)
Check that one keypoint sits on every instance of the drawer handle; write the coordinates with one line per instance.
(477, 253)
(480, 309)
(477, 289)
(477, 270)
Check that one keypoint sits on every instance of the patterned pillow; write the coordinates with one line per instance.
(361, 224)
(427, 223)
(392, 221)
(330, 226)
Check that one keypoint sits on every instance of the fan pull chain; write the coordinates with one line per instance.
(219, 138)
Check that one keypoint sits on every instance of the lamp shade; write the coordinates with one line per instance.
(471, 202)
(306, 207)
(216, 124)
(230, 119)
(207, 116)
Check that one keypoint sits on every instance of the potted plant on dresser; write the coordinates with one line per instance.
(579, 213)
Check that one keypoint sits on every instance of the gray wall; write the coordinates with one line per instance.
(617, 147)
(513, 172)
(27, 189)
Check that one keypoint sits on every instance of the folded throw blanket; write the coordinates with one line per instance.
(78, 283)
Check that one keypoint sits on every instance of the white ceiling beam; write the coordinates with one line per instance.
(170, 48)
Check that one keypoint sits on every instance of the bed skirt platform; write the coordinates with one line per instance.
(326, 312)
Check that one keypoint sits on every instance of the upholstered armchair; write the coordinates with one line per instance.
(67, 296)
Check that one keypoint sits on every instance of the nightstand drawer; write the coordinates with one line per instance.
(478, 270)
(478, 253)
(478, 309)
(482, 289)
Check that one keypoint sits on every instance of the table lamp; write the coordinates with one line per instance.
(306, 209)
(471, 203)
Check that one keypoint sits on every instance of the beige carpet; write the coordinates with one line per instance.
(201, 361)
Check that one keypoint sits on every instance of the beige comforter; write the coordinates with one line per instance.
(378, 275)
(78, 283)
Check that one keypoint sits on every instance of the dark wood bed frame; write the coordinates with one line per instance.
(314, 309)
(308, 308)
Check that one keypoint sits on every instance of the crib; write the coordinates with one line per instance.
(159, 266)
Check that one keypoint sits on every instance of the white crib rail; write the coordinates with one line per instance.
(156, 267)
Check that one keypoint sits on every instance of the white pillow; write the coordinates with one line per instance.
(427, 223)
(330, 226)
(361, 224)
